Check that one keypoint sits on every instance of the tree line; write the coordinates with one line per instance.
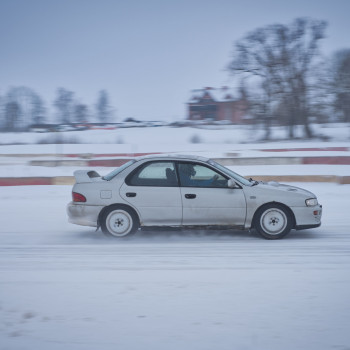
(280, 68)
(287, 79)
(22, 106)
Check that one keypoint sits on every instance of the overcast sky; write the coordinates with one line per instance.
(147, 54)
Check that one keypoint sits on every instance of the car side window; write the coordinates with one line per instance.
(159, 174)
(197, 175)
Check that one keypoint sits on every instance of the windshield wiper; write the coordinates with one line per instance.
(254, 182)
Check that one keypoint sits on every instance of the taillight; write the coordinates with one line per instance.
(77, 197)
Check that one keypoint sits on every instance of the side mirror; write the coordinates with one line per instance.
(231, 184)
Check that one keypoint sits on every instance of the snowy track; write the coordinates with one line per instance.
(67, 287)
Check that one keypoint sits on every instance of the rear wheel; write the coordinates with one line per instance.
(273, 221)
(119, 221)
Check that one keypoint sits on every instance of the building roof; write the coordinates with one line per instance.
(222, 94)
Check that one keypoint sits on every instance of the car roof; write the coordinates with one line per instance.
(173, 157)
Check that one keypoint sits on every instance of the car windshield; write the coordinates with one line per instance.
(116, 171)
(231, 173)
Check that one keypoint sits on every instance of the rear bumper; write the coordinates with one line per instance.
(82, 214)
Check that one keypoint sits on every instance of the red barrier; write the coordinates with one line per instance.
(25, 181)
(69, 180)
(327, 160)
(326, 149)
(106, 162)
(109, 155)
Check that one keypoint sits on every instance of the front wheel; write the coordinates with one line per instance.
(273, 221)
(119, 221)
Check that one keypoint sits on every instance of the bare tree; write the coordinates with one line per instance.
(341, 83)
(38, 110)
(12, 115)
(2, 113)
(81, 113)
(22, 107)
(279, 58)
(102, 107)
(65, 105)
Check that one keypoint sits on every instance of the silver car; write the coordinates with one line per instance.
(187, 191)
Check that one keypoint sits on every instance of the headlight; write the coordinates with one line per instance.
(311, 202)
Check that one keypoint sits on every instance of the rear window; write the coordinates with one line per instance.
(116, 171)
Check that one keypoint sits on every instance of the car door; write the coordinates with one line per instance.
(206, 197)
(153, 190)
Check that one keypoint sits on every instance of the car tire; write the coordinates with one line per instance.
(119, 221)
(273, 221)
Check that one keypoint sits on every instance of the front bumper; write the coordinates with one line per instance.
(304, 227)
(82, 214)
(307, 217)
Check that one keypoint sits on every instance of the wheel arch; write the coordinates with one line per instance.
(116, 205)
(273, 203)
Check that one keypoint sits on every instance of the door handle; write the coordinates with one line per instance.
(190, 195)
(130, 194)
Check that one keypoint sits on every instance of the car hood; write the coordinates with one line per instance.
(276, 186)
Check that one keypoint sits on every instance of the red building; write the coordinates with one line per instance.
(217, 104)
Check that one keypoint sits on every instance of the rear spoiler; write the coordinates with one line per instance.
(82, 176)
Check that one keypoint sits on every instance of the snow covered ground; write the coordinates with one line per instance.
(228, 141)
(68, 287)
(136, 138)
